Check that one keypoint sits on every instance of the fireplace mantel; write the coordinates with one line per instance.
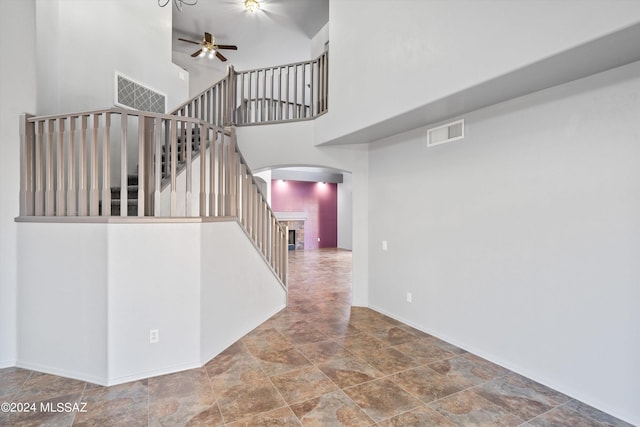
(291, 216)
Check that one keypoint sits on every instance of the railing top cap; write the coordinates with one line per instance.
(125, 111)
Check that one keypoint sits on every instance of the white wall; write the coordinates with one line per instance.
(520, 243)
(388, 58)
(238, 290)
(292, 144)
(318, 41)
(17, 95)
(82, 44)
(87, 309)
(62, 299)
(154, 283)
(345, 212)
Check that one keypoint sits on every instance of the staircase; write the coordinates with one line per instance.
(68, 161)
(132, 197)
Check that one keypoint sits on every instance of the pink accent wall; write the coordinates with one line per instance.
(319, 201)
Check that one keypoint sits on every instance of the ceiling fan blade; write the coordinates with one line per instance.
(227, 46)
(208, 37)
(220, 56)
(196, 53)
(188, 41)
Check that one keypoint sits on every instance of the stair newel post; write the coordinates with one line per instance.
(124, 181)
(94, 193)
(142, 166)
(49, 202)
(157, 166)
(174, 164)
(27, 160)
(189, 144)
(230, 104)
(106, 165)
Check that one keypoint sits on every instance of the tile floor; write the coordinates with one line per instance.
(320, 362)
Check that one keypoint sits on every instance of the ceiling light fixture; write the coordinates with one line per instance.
(178, 3)
(251, 5)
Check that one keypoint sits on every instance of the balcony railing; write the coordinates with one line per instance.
(290, 92)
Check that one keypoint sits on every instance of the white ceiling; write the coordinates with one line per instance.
(278, 33)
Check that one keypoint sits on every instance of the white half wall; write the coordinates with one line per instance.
(524, 238)
(17, 95)
(90, 294)
(62, 299)
(154, 283)
(236, 289)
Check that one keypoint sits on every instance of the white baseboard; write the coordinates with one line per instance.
(154, 373)
(535, 376)
(76, 375)
(7, 364)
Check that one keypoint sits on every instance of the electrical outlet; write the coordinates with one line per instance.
(154, 336)
(384, 245)
(409, 297)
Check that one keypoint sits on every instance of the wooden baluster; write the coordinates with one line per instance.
(106, 166)
(39, 169)
(288, 106)
(167, 147)
(312, 91)
(243, 108)
(189, 131)
(157, 176)
(124, 178)
(221, 180)
(280, 106)
(142, 165)
(304, 89)
(271, 96)
(203, 170)
(263, 115)
(212, 173)
(27, 161)
(59, 167)
(208, 107)
(94, 193)
(249, 99)
(174, 170)
(295, 91)
(49, 202)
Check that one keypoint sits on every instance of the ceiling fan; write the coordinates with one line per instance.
(210, 47)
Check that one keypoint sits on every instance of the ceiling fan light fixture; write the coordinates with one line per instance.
(251, 5)
(211, 54)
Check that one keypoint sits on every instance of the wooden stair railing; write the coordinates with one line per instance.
(71, 162)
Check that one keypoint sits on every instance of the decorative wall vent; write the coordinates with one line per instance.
(134, 95)
(445, 133)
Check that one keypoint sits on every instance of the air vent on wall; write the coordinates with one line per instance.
(445, 133)
(132, 94)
